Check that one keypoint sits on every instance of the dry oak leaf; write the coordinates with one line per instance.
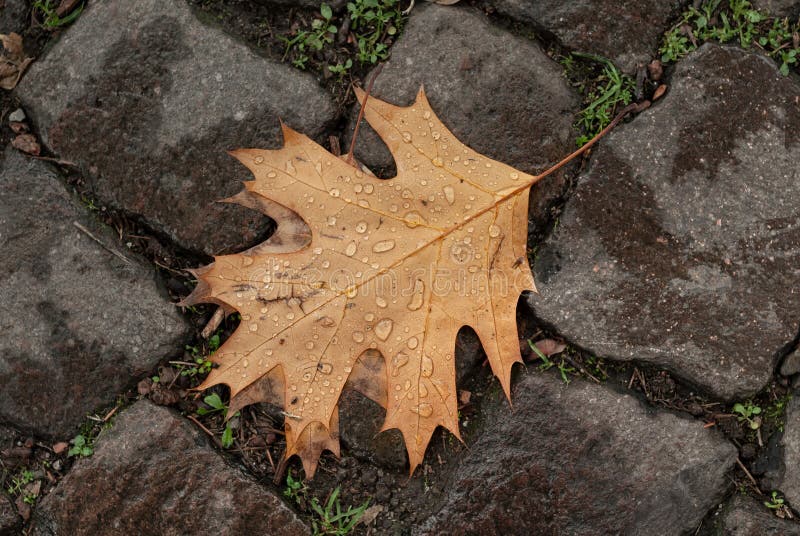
(13, 61)
(366, 282)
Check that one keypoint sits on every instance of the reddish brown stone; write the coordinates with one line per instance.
(153, 473)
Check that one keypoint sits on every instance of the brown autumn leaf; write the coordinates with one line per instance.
(550, 347)
(13, 61)
(27, 143)
(366, 282)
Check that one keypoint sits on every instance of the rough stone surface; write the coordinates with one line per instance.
(628, 32)
(360, 418)
(153, 473)
(78, 323)
(746, 516)
(499, 94)
(148, 100)
(787, 477)
(681, 245)
(582, 459)
(778, 8)
(791, 365)
(9, 520)
(309, 4)
(13, 16)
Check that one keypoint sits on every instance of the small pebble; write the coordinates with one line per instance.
(16, 116)
(656, 70)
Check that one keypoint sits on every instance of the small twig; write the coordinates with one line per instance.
(213, 323)
(280, 471)
(642, 382)
(198, 423)
(336, 150)
(173, 270)
(174, 379)
(269, 457)
(206, 430)
(350, 159)
(753, 480)
(90, 235)
(579, 367)
(110, 413)
(65, 163)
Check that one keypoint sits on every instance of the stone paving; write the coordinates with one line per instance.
(675, 247)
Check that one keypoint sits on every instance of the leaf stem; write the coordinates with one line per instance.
(633, 107)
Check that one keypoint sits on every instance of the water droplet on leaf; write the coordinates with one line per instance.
(384, 328)
(383, 246)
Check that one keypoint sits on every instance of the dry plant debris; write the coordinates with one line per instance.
(13, 61)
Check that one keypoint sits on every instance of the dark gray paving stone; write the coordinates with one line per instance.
(154, 473)
(628, 33)
(681, 244)
(582, 459)
(308, 4)
(778, 8)
(148, 100)
(14, 16)
(79, 324)
(746, 516)
(786, 477)
(9, 520)
(499, 94)
(791, 365)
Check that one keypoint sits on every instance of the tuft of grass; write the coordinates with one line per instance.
(774, 413)
(372, 27)
(200, 355)
(373, 20)
(341, 69)
(47, 11)
(604, 94)
(321, 33)
(563, 368)
(734, 20)
(18, 482)
(749, 412)
(774, 502)
(81, 446)
(216, 405)
(328, 518)
(19, 486)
